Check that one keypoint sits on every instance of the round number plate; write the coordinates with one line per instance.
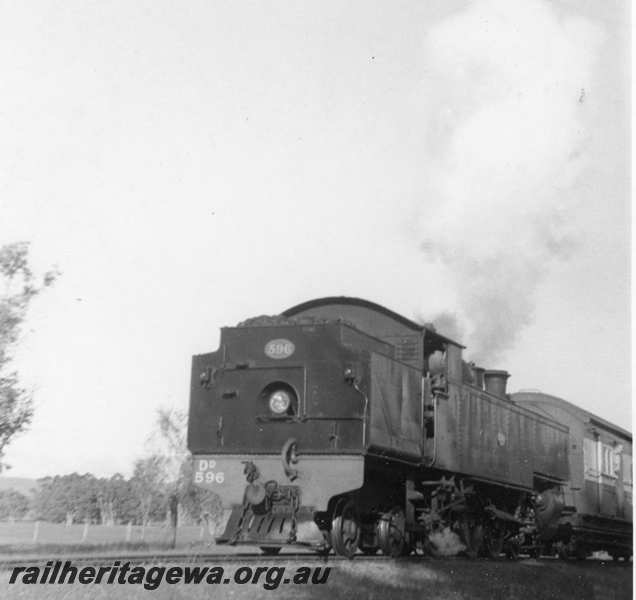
(279, 348)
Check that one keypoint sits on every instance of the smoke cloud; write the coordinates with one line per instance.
(510, 87)
(445, 322)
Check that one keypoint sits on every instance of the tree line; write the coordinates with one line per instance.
(146, 496)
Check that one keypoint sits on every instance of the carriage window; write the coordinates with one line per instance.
(627, 468)
(589, 457)
(608, 460)
(617, 452)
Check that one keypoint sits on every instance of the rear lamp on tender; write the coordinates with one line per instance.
(279, 402)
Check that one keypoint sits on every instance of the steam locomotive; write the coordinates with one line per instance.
(342, 425)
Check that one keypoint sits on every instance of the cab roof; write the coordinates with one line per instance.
(361, 313)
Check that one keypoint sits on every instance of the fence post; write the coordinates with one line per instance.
(128, 531)
(36, 531)
(85, 532)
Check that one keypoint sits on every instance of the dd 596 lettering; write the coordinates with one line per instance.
(206, 472)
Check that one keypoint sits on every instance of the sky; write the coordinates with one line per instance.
(189, 165)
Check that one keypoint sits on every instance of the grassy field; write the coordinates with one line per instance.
(449, 579)
(415, 578)
(19, 537)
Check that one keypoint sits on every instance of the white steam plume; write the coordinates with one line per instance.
(446, 542)
(510, 84)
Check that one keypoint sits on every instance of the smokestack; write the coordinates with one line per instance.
(496, 383)
(478, 375)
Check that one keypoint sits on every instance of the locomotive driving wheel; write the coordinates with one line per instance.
(472, 536)
(494, 536)
(345, 529)
(391, 531)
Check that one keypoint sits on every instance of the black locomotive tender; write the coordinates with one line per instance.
(341, 424)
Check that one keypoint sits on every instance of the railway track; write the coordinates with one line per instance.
(242, 558)
(181, 558)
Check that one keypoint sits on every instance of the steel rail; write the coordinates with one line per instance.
(180, 558)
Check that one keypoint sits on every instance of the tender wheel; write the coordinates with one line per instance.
(270, 550)
(345, 530)
(391, 531)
